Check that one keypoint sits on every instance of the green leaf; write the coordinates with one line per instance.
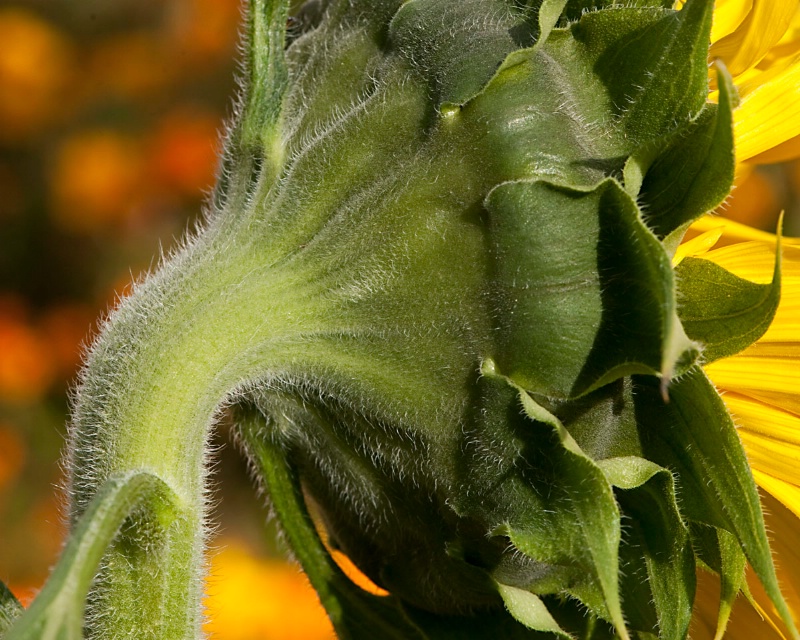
(690, 172)
(694, 437)
(655, 72)
(723, 312)
(57, 612)
(453, 51)
(657, 538)
(560, 510)
(576, 8)
(584, 290)
(530, 610)
(10, 608)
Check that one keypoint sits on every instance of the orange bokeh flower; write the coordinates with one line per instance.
(13, 454)
(133, 65)
(252, 598)
(184, 150)
(26, 369)
(96, 179)
(36, 65)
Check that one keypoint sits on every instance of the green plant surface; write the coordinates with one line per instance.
(435, 281)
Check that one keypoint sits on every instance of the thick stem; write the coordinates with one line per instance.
(156, 379)
(58, 610)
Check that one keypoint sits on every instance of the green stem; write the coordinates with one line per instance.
(10, 608)
(355, 614)
(58, 611)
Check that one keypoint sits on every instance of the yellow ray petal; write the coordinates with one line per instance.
(786, 350)
(756, 260)
(773, 457)
(733, 232)
(728, 16)
(785, 151)
(766, 420)
(772, 375)
(698, 245)
(779, 400)
(786, 325)
(788, 45)
(762, 28)
(786, 492)
(769, 110)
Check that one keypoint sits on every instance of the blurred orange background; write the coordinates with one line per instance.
(110, 117)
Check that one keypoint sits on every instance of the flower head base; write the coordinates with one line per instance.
(437, 285)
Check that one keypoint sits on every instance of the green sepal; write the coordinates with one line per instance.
(562, 511)
(681, 177)
(584, 122)
(548, 14)
(10, 608)
(529, 609)
(455, 53)
(693, 436)
(57, 612)
(584, 290)
(603, 422)
(719, 552)
(253, 146)
(354, 613)
(722, 311)
(655, 72)
(576, 8)
(732, 577)
(656, 556)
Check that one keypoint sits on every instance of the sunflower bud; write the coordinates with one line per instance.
(437, 282)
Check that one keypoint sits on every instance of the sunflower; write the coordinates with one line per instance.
(759, 43)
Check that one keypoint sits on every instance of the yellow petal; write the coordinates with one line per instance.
(739, 373)
(734, 232)
(771, 438)
(765, 420)
(788, 45)
(775, 457)
(762, 28)
(769, 112)
(698, 245)
(756, 260)
(786, 492)
(780, 400)
(728, 16)
(785, 151)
